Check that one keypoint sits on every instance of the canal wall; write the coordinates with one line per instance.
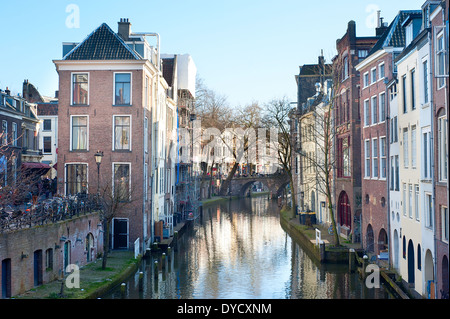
(306, 238)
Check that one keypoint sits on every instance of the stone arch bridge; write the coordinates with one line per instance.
(275, 183)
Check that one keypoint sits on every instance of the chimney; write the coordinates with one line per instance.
(124, 29)
(381, 26)
(351, 31)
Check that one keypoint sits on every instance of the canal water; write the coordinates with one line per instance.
(237, 249)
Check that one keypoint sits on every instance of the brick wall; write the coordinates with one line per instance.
(19, 246)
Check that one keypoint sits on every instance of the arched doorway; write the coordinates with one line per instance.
(411, 270)
(382, 240)
(429, 274)
(396, 249)
(370, 239)
(344, 212)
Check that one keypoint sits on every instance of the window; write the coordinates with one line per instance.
(367, 158)
(76, 179)
(426, 156)
(429, 210)
(122, 89)
(345, 70)
(362, 54)
(397, 174)
(146, 91)
(47, 125)
(392, 179)
(383, 167)
(366, 79)
(410, 199)
(416, 201)
(413, 147)
(121, 181)
(374, 107)
(425, 82)
(405, 108)
(47, 144)
(440, 60)
(393, 91)
(373, 75)
(4, 133)
(393, 136)
(404, 199)
(122, 129)
(382, 104)
(374, 157)
(381, 71)
(444, 217)
(80, 89)
(413, 91)
(49, 259)
(14, 134)
(79, 132)
(409, 33)
(146, 134)
(346, 156)
(405, 148)
(442, 148)
(366, 113)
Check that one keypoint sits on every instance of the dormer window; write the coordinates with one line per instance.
(409, 34)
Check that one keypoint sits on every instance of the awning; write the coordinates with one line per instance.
(31, 165)
(55, 166)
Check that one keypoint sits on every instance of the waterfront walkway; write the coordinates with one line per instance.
(94, 281)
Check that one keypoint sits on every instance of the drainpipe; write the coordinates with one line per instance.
(388, 172)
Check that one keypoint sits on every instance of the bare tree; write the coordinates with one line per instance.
(277, 115)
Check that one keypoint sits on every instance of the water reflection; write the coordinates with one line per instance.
(238, 249)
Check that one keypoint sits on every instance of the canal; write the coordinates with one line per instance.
(237, 249)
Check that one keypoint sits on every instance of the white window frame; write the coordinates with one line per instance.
(112, 176)
(429, 214)
(382, 106)
(65, 175)
(71, 88)
(366, 79)
(444, 223)
(114, 89)
(416, 201)
(87, 132)
(425, 83)
(374, 108)
(410, 200)
(381, 76)
(439, 35)
(405, 147)
(404, 199)
(442, 148)
(373, 75)
(114, 132)
(383, 157)
(14, 134)
(375, 151)
(366, 112)
(367, 169)
(413, 146)
(426, 151)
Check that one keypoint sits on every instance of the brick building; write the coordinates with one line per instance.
(377, 71)
(347, 119)
(108, 89)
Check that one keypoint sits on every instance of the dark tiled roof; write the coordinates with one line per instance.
(44, 109)
(394, 36)
(102, 44)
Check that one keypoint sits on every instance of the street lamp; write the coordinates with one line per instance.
(98, 159)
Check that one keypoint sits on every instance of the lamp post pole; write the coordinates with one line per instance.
(98, 160)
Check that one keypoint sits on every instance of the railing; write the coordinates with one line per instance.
(46, 212)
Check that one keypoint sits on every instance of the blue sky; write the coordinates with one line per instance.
(246, 50)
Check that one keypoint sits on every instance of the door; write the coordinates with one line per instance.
(66, 254)
(120, 234)
(37, 258)
(411, 277)
(6, 278)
